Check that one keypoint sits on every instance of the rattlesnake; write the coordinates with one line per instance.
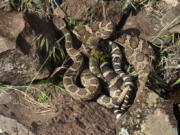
(71, 74)
(119, 93)
(90, 82)
(138, 53)
(128, 87)
(121, 87)
(118, 85)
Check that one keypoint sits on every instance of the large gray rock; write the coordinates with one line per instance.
(17, 68)
(12, 127)
(149, 115)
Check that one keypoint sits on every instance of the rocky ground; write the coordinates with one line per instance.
(33, 103)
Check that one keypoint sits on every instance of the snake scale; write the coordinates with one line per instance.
(121, 87)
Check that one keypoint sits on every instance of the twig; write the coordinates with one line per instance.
(61, 67)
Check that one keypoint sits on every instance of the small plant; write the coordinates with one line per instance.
(168, 51)
(131, 72)
(58, 88)
(43, 96)
(99, 55)
(37, 6)
(4, 3)
(53, 4)
(134, 3)
(140, 3)
(176, 82)
(169, 60)
(89, 14)
(28, 5)
(43, 42)
(74, 24)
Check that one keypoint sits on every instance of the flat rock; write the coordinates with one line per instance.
(149, 115)
(12, 127)
(17, 68)
(150, 21)
(11, 24)
(88, 10)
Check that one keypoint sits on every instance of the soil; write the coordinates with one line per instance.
(58, 115)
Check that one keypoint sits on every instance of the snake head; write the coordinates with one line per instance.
(59, 22)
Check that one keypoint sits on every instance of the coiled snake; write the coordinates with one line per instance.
(121, 87)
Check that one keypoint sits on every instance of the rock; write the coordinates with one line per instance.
(12, 127)
(88, 10)
(153, 19)
(5, 97)
(24, 62)
(149, 115)
(17, 68)
(35, 26)
(158, 118)
(170, 15)
(11, 24)
(147, 26)
(80, 118)
(75, 8)
(71, 117)
(174, 3)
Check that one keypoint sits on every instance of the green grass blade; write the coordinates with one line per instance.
(176, 82)
(61, 89)
(42, 43)
(47, 45)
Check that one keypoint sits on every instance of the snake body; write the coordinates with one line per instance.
(121, 87)
(140, 54)
(129, 87)
(89, 80)
(114, 92)
(71, 74)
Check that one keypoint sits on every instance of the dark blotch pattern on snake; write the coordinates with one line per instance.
(138, 53)
(91, 83)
